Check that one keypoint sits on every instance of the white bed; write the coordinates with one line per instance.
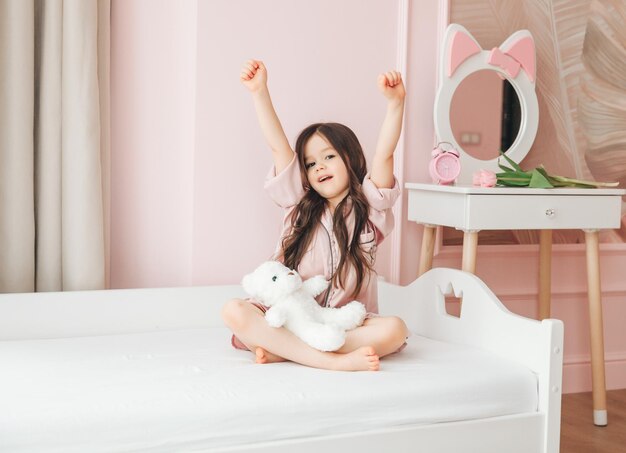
(153, 370)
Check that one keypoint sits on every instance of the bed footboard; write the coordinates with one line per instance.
(484, 323)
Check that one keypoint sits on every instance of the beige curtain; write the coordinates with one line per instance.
(54, 144)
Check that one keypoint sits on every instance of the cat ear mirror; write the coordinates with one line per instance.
(486, 101)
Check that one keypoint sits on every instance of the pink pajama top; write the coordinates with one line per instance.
(323, 254)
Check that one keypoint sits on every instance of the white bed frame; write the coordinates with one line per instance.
(484, 323)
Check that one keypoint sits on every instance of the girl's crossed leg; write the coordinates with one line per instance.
(376, 338)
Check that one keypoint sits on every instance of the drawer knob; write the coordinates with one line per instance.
(550, 212)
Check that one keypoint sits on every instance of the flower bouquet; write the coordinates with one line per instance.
(514, 176)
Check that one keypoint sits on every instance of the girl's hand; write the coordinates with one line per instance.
(391, 86)
(254, 75)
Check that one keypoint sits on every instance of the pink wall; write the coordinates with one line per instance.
(153, 102)
(188, 158)
(323, 60)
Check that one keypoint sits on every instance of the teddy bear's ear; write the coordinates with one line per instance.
(248, 285)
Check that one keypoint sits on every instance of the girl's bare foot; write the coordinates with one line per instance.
(263, 356)
(361, 359)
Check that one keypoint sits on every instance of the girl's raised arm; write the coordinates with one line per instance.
(254, 78)
(390, 84)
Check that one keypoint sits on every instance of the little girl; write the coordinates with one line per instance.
(336, 214)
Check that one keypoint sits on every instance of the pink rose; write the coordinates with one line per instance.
(484, 178)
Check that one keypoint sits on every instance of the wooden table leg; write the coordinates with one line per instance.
(428, 249)
(545, 273)
(470, 243)
(596, 328)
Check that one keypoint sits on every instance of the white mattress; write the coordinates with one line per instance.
(188, 389)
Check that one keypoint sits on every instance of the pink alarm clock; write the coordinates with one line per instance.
(445, 165)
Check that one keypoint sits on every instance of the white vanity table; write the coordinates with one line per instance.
(504, 79)
(472, 209)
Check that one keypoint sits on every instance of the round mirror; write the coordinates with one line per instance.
(485, 114)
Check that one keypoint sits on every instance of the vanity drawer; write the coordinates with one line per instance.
(521, 212)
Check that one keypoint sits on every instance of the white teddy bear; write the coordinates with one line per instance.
(292, 304)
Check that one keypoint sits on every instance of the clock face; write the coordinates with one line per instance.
(447, 167)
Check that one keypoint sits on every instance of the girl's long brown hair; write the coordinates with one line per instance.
(308, 213)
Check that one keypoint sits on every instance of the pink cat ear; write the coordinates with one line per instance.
(462, 47)
(523, 50)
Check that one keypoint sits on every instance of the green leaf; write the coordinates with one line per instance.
(545, 174)
(512, 183)
(543, 171)
(511, 162)
(538, 180)
(506, 179)
(504, 167)
(515, 174)
(580, 183)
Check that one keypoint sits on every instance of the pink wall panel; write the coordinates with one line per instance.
(152, 122)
